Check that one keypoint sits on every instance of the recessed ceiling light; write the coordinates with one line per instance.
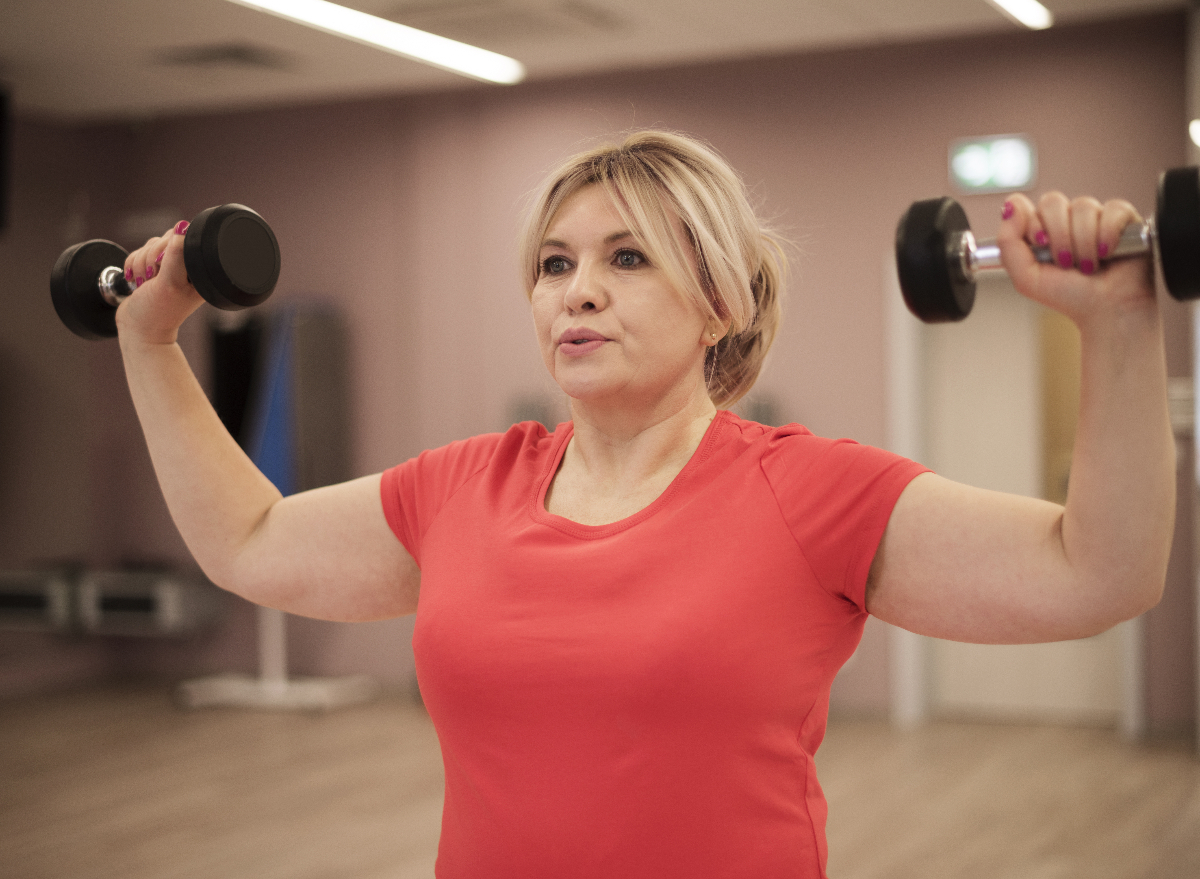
(1027, 12)
(396, 38)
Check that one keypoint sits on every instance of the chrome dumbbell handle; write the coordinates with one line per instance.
(114, 289)
(969, 256)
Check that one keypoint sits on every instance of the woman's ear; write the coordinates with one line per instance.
(715, 331)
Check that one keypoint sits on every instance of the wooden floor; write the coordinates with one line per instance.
(117, 782)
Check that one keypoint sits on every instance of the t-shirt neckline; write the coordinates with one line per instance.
(562, 435)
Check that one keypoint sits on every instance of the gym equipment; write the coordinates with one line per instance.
(36, 600)
(231, 256)
(145, 603)
(280, 386)
(937, 256)
(156, 603)
(291, 419)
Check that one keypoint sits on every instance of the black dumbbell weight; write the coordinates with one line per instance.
(937, 257)
(229, 251)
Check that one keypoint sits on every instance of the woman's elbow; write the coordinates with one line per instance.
(1129, 599)
(1146, 597)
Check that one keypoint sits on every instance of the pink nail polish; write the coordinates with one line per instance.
(1087, 266)
(138, 282)
(129, 274)
(1102, 249)
(1040, 238)
(181, 227)
(1008, 210)
(1064, 259)
(159, 258)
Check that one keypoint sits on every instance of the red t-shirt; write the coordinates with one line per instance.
(639, 699)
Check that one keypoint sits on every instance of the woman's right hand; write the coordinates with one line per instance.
(327, 553)
(163, 298)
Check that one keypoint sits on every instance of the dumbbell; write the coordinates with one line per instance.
(937, 257)
(229, 251)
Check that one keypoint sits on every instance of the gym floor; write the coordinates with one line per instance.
(118, 782)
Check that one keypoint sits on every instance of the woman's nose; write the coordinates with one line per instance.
(586, 291)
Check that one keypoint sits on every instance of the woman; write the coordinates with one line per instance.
(627, 628)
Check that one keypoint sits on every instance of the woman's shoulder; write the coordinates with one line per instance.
(522, 440)
(423, 484)
(796, 447)
(746, 432)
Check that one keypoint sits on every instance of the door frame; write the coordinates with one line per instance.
(910, 673)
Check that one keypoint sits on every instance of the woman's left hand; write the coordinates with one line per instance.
(1080, 233)
(965, 564)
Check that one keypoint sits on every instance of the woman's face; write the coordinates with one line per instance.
(609, 325)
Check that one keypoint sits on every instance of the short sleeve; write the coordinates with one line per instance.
(836, 497)
(414, 492)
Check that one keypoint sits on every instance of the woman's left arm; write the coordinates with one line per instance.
(967, 564)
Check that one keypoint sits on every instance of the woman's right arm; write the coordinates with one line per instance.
(326, 553)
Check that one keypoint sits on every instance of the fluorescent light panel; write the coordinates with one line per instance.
(1027, 12)
(397, 38)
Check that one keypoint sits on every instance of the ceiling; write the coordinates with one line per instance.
(104, 59)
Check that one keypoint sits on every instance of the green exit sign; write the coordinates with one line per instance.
(993, 164)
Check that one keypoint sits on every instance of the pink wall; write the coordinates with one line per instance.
(45, 414)
(404, 212)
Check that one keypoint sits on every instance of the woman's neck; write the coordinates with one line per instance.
(618, 462)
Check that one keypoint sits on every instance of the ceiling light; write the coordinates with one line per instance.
(1194, 131)
(1027, 12)
(398, 38)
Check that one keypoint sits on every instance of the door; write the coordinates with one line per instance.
(1000, 399)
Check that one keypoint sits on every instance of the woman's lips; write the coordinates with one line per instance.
(580, 347)
(579, 341)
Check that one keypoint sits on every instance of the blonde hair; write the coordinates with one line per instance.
(737, 274)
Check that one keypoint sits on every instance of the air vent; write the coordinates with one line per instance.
(497, 22)
(228, 55)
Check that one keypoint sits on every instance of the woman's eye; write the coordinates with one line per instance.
(627, 259)
(553, 265)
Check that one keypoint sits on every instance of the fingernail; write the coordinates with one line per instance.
(181, 227)
(1087, 266)
(129, 274)
(137, 282)
(1102, 249)
(149, 272)
(159, 259)
(1041, 239)
(1008, 210)
(1064, 259)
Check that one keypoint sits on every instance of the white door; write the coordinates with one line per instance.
(986, 424)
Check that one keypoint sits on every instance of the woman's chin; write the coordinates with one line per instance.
(589, 394)
(594, 390)
(583, 380)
